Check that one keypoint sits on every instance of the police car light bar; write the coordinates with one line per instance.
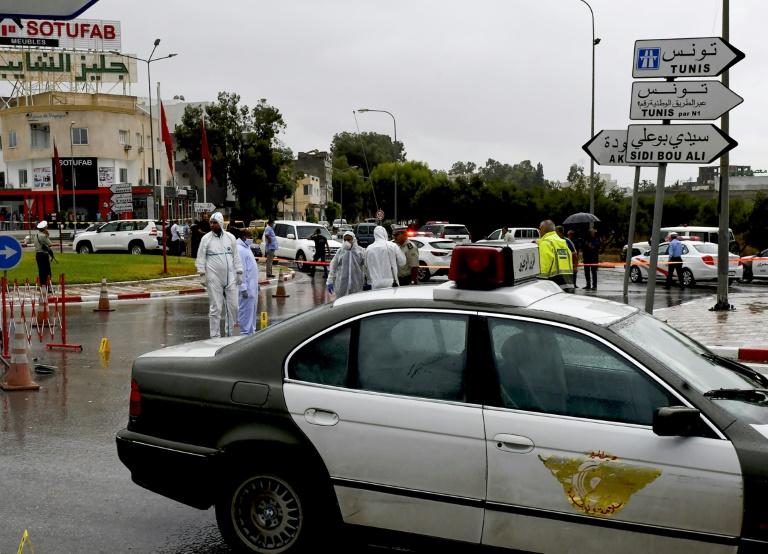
(489, 267)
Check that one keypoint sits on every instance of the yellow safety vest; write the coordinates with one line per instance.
(554, 257)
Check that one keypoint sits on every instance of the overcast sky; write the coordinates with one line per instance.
(467, 80)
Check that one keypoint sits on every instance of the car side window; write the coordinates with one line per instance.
(685, 250)
(110, 227)
(663, 249)
(417, 243)
(280, 230)
(549, 369)
(413, 354)
(127, 226)
(495, 235)
(325, 360)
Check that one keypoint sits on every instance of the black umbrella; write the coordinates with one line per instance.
(581, 217)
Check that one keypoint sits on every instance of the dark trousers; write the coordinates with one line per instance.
(43, 267)
(590, 274)
(318, 258)
(675, 264)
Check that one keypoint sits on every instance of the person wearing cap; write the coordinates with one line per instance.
(407, 274)
(675, 261)
(555, 260)
(346, 274)
(382, 260)
(221, 272)
(43, 253)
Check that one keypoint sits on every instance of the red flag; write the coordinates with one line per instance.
(166, 137)
(206, 155)
(58, 171)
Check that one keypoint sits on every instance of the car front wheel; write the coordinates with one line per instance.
(635, 275)
(424, 274)
(264, 512)
(84, 248)
(300, 259)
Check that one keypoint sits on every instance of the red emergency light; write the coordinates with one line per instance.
(481, 267)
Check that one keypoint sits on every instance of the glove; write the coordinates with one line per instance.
(330, 288)
(244, 294)
(239, 279)
(203, 280)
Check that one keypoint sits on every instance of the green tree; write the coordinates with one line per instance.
(411, 177)
(757, 233)
(365, 150)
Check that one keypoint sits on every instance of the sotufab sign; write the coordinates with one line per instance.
(78, 34)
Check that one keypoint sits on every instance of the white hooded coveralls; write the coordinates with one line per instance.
(246, 314)
(382, 259)
(347, 270)
(219, 266)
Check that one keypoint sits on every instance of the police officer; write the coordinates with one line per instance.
(43, 253)
(555, 261)
(407, 274)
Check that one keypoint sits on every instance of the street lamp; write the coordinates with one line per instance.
(595, 42)
(394, 123)
(74, 178)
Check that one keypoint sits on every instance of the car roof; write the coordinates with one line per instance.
(691, 229)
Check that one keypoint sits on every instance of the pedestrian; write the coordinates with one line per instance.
(591, 250)
(221, 272)
(202, 227)
(321, 251)
(249, 289)
(675, 261)
(175, 239)
(572, 247)
(571, 236)
(347, 270)
(184, 236)
(507, 236)
(270, 245)
(382, 259)
(407, 274)
(555, 260)
(43, 254)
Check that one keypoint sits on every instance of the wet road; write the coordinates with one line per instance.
(61, 478)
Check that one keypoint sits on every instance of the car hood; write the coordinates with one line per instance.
(199, 349)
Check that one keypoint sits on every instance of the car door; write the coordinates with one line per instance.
(384, 400)
(573, 463)
(662, 266)
(125, 233)
(760, 266)
(106, 238)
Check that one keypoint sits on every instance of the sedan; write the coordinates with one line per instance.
(434, 256)
(756, 267)
(699, 263)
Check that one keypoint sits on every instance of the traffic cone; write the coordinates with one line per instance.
(19, 374)
(280, 292)
(104, 298)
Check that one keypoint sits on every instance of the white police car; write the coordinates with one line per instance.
(699, 263)
(486, 411)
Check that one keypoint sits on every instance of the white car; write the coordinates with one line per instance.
(434, 256)
(135, 236)
(756, 267)
(699, 263)
(520, 235)
(293, 241)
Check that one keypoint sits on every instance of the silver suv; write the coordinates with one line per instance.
(134, 236)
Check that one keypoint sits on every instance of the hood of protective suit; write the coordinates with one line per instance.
(380, 233)
(218, 218)
(349, 234)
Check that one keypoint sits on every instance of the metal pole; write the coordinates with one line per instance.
(205, 181)
(631, 233)
(592, 118)
(397, 162)
(655, 232)
(74, 178)
(723, 197)
(162, 189)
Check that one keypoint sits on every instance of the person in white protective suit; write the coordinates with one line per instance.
(249, 289)
(382, 259)
(221, 272)
(346, 274)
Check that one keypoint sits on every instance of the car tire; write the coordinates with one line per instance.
(84, 248)
(267, 512)
(300, 259)
(136, 248)
(424, 274)
(688, 279)
(635, 275)
(747, 277)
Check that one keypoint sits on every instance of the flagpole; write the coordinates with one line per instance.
(205, 172)
(162, 185)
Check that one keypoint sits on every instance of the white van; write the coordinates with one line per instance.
(520, 234)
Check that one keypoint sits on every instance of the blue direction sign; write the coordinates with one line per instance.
(43, 9)
(10, 252)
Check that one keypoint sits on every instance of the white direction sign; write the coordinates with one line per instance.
(681, 100)
(204, 207)
(683, 57)
(45, 9)
(610, 148)
(687, 143)
(120, 188)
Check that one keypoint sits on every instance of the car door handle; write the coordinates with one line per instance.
(321, 417)
(513, 443)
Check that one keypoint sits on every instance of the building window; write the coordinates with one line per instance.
(123, 137)
(80, 135)
(2, 179)
(11, 139)
(139, 139)
(123, 175)
(307, 189)
(22, 177)
(40, 135)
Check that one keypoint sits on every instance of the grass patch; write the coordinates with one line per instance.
(90, 268)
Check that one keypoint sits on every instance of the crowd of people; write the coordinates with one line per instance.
(559, 257)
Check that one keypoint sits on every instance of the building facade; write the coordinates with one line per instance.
(319, 164)
(306, 202)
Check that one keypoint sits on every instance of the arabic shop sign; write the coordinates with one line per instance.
(75, 67)
(683, 57)
(687, 143)
(78, 34)
(681, 100)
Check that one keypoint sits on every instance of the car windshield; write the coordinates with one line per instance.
(706, 248)
(306, 231)
(455, 230)
(444, 244)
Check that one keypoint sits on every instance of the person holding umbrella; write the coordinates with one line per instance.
(591, 251)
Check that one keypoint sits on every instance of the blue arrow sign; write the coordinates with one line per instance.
(10, 252)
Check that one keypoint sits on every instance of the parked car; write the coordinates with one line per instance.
(364, 234)
(519, 234)
(699, 263)
(488, 411)
(135, 236)
(685, 232)
(343, 228)
(755, 267)
(453, 231)
(434, 256)
(293, 241)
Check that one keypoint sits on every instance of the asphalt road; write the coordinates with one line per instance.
(61, 478)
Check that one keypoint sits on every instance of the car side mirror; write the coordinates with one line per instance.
(290, 236)
(676, 421)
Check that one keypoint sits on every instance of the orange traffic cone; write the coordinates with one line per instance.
(280, 292)
(104, 298)
(19, 375)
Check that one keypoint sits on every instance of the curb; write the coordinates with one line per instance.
(743, 354)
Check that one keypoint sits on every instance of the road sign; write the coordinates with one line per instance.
(44, 9)
(120, 188)
(687, 143)
(122, 207)
(610, 148)
(683, 57)
(204, 207)
(380, 214)
(681, 100)
(29, 202)
(10, 252)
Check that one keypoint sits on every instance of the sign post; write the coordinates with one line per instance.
(10, 257)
